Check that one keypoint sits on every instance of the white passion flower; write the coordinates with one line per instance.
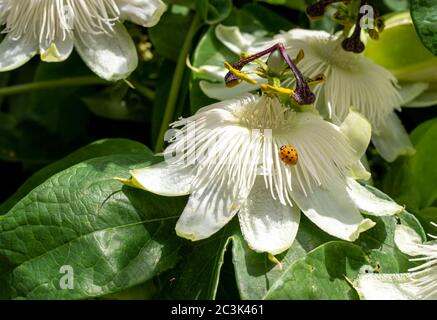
(226, 157)
(419, 283)
(352, 80)
(94, 27)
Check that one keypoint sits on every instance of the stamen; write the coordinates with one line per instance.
(354, 43)
(302, 93)
(238, 74)
(272, 89)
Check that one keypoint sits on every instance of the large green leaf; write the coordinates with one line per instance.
(93, 150)
(424, 14)
(411, 180)
(326, 272)
(113, 237)
(163, 34)
(256, 274)
(197, 276)
(321, 274)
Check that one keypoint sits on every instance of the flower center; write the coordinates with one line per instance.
(268, 113)
(302, 94)
(49, 20)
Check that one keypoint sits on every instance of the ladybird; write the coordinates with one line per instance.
(288, 154)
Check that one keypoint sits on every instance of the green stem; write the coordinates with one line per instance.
(51, 84)
(143, 90)
(176, 82)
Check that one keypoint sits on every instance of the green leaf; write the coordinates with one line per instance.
(293, 4)
(93, 150)
(397, 5)
(400, 50)
(321, 274)
(113, 103)
(113, 237)
(143, 291)
(257, 14)
(379, 245)
(214, 11)
(424, 14)
(426, 216)
(163, 34)
(197, 276)
(256, 274)
(411, 180)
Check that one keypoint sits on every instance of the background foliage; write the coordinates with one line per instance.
(61, 146)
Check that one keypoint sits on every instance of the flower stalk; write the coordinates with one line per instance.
(177, 81)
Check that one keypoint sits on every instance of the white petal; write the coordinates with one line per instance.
(302, 34)
(112, 57)
(410, 91)
(233, 39)
(358, 131)
(219, 91)
(369, 203)
(333, 211)
(351, 79)
(15, 53)
(407, 240)
(208, 210)
(164, 179)
(143, 12)
(266, 224)
(57, 51)
(386, 287)
(392, 140)
(214, 73)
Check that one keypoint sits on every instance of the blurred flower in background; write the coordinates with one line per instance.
(93, 27)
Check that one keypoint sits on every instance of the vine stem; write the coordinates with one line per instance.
(177, 81)
(50, 84)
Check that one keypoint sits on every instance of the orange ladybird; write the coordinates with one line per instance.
(288, 154)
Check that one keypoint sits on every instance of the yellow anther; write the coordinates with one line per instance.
(268, 88)
(239, 74)
(317, 80)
